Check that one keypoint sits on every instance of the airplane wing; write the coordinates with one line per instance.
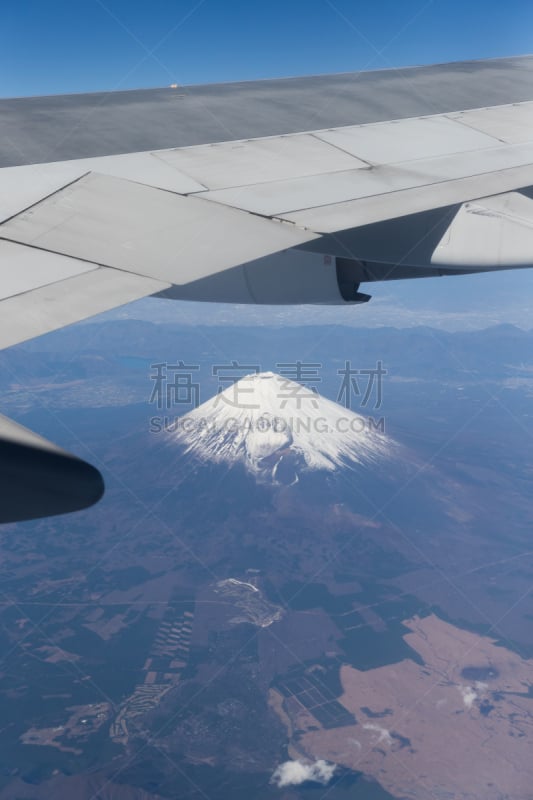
(305, 214)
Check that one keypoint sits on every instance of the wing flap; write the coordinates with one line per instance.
(510, 123)
(22, 187)
(23, 269)
(47, 308)
(309, 202)
(380, 207)
(407, 140)
(147, 231)
(220, 166)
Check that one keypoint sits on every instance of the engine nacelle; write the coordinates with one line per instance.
(285, 278)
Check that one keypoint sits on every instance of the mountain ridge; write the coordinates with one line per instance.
(278, 428)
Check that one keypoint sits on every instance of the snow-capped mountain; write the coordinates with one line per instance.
(276, 428)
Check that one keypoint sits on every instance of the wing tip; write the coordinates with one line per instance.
(37, 482)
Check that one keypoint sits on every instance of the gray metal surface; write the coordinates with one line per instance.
(491, 233)
(377, 208)
(218, 166)
(21, 187)
(290, 277)
(476, 169)
(44, 129)
(510, 123)
(39, 479)
(55, 305)
(25, 268)
(147, 231)
(407, 140)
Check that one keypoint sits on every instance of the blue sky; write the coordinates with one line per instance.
(85, 45)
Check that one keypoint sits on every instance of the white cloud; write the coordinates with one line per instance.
(469, 695)
(292, 773)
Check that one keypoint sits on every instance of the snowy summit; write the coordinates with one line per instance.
(276, 428)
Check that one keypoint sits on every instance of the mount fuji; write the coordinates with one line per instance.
(277, 428)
